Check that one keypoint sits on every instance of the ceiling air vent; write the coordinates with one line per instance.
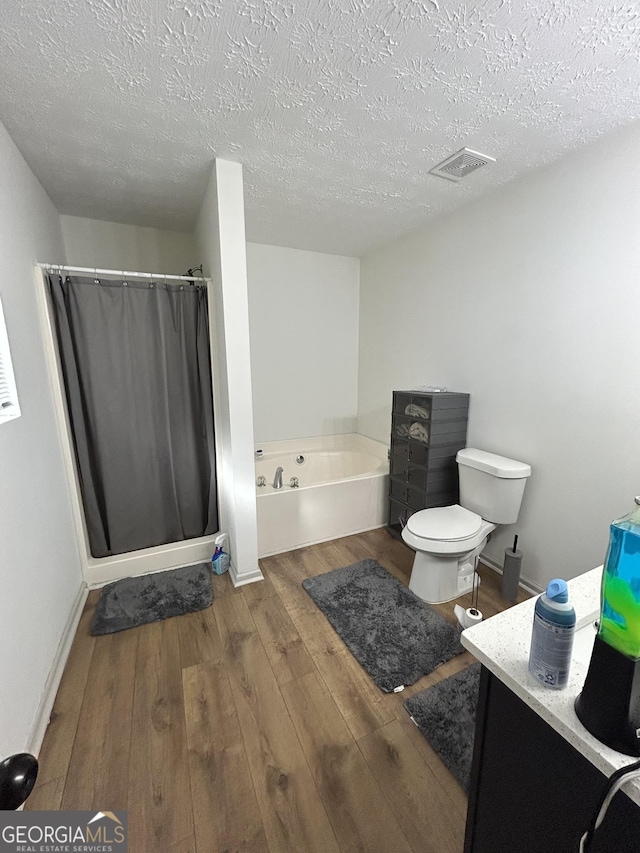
(461, 164)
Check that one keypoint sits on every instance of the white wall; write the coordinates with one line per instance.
(221, 241)
(111, 245)
(530, 301)
(303, 316)
(40, 573)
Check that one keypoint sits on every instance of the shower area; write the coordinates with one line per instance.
(131, 370)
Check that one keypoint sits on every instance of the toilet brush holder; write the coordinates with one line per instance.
(511, 572)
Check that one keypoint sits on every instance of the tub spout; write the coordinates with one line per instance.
(277, 480)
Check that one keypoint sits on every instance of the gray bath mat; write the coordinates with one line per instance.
(446, 716)
(150, 598)
(392, 633)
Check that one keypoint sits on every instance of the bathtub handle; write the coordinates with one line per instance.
(261, 481)
(294, 483)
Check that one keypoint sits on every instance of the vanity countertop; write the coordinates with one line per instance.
(502, 645)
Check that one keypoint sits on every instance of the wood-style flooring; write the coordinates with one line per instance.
(249, 727)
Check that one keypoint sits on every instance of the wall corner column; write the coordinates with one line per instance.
(220, 234)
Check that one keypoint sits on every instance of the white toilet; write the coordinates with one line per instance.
(447, 540)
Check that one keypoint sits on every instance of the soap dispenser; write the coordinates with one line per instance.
(609, 705)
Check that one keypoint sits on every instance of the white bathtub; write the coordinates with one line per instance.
(342, 490)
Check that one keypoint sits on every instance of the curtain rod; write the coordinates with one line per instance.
(123, 273)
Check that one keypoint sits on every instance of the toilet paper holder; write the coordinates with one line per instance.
(470, 616)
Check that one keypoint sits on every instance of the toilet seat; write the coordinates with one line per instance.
(469, 529)
(445, 524)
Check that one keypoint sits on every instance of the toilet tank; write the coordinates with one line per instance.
(491, 485)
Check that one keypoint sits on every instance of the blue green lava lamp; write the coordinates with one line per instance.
(609, 705)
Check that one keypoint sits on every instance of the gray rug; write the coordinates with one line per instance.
(150, 598)
(392, 633)
(446, 716)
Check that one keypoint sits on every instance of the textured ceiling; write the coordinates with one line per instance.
(336, 108)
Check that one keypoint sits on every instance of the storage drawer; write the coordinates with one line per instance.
(443, 474)
(409, 454)
(449, 432)
(442, 499)
(417, 477)
(398, 489)
(410, 428)
(400, 402)
(440, 482)
(416, 498)
(399, 448)
(399, 514)
(402, 469)
(442, 402)
(436, 432)
(402, 491)
(418, 454)
(413, 451)
(414, 405)
(399, 465)
(446, 415)
(444, 456)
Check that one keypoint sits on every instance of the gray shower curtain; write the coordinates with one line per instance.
(137, 372)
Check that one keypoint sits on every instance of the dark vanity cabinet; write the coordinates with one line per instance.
(427, 430)
(531, 790)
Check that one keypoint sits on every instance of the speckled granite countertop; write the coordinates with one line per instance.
(502, 645)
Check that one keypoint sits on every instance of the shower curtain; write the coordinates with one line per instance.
(137, 373)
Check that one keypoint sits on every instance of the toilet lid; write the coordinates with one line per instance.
(446, 523)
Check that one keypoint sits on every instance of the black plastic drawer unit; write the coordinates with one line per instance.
(427, 430)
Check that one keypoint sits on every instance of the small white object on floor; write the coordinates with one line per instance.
(467, 617)
(399, 688)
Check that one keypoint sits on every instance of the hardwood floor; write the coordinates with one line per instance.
(250, 727)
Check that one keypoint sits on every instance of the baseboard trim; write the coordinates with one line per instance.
(55, 675)
(525, 584)
(244, 578)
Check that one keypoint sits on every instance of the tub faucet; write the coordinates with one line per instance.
(277, 480)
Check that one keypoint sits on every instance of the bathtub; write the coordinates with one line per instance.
(342, 490)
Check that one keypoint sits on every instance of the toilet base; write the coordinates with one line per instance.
(437, 579)
(465, 583)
